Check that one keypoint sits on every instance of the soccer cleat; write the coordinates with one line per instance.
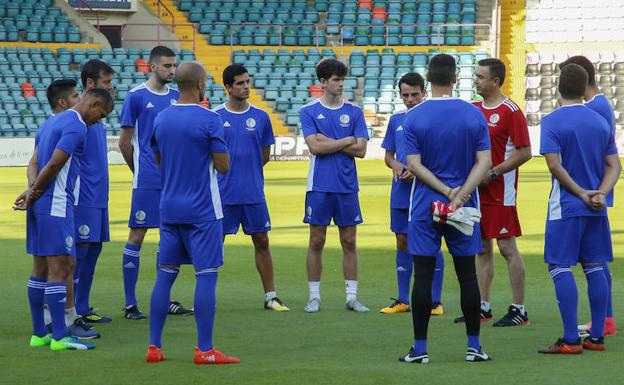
(313, 306)
(213, 357)
(597, 345)
(275, 304)
(513, 318)
(70, 343)
(93, 318)
(437, 309)
(37, 342)
(395, 307)
(81, 329)
(609, 329)
(176, 307)
(486, 316)
(563, 347)
(133, 313)
(357, 306)
(474, 355)
(154, 354)
(413, 358)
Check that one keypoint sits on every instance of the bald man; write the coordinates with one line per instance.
(189, 147)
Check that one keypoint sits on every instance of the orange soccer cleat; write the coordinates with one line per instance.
(213, 357)
(154, 354)
(563, 347)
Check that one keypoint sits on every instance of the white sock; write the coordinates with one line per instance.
(70, 316)
(351, 289)
(47, 318)
(315, 289)
(485, 306)
(519, 307)
(269, 295)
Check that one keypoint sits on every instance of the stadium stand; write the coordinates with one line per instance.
(36, 21)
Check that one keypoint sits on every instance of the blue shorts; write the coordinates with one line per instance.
(254, 218)
(91, 224)
(145, 211)
(399, 218)
(424, 238)
(199, 244)
(321, 207)
(48, 236)
(579, 239)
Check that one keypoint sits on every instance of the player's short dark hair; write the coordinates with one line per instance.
(160, 51)
(496, 68)
(572, 81)
(93, 69)
(587, 65)
(232, 71)
(412, 79)
(441, 70)
(59, 89)
(102, 95)
(327, 68)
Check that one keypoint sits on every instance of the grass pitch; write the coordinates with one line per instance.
(331, 347)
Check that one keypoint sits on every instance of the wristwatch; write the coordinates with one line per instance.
(493, 174)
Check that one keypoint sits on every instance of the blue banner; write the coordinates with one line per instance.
(101, 4)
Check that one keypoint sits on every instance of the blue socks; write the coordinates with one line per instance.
(420, 347)
(438, 278)
(81, 254)
(36, 298)
(404, 269)
(607, 273)
(85, 277)
(56, 297)
(597, 290)
(159, 304)
(567, 298)
(205, 306)
(474, 342)
(130, 264)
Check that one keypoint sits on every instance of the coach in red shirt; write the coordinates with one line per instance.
(511, 148)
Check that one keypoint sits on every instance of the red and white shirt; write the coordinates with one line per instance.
(508, 131)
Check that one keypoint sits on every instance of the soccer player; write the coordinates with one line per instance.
(336, 133)
(511, 148)
(190, 147)
(62, 95)
(448, 152)
(412, 91)
(141, 106)
(595, 100)
(91, 196)
(579, 147)
(50, 228)
(249, 136)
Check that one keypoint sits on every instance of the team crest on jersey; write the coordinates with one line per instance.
(84, 230)
(494, 118)
(140, 216)
(69, 241)
(251, 124)
(344, 119)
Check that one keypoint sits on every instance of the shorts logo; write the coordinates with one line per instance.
(69, 241)
(268, 224)
(503, 231)
(357, 219)
(309, 211)
(344, 119)
(251, 124)
(84, 230)
(140, 216)
(494, 118)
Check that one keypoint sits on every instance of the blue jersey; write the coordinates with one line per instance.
(447, 133)
(246, 134)
(334, 172)
(65, 131)
(395, 141)
(92, 184)
(601, 105)
(186, 135)
(583, 139)
(139, 111)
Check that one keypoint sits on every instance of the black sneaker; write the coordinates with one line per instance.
(94, 318)
(474, 355)
(412, 358)
(176, 307)
(486, 316)
(133, 313)
(514, 317)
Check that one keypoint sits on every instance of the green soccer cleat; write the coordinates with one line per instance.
(70, 343)
(37, 342)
